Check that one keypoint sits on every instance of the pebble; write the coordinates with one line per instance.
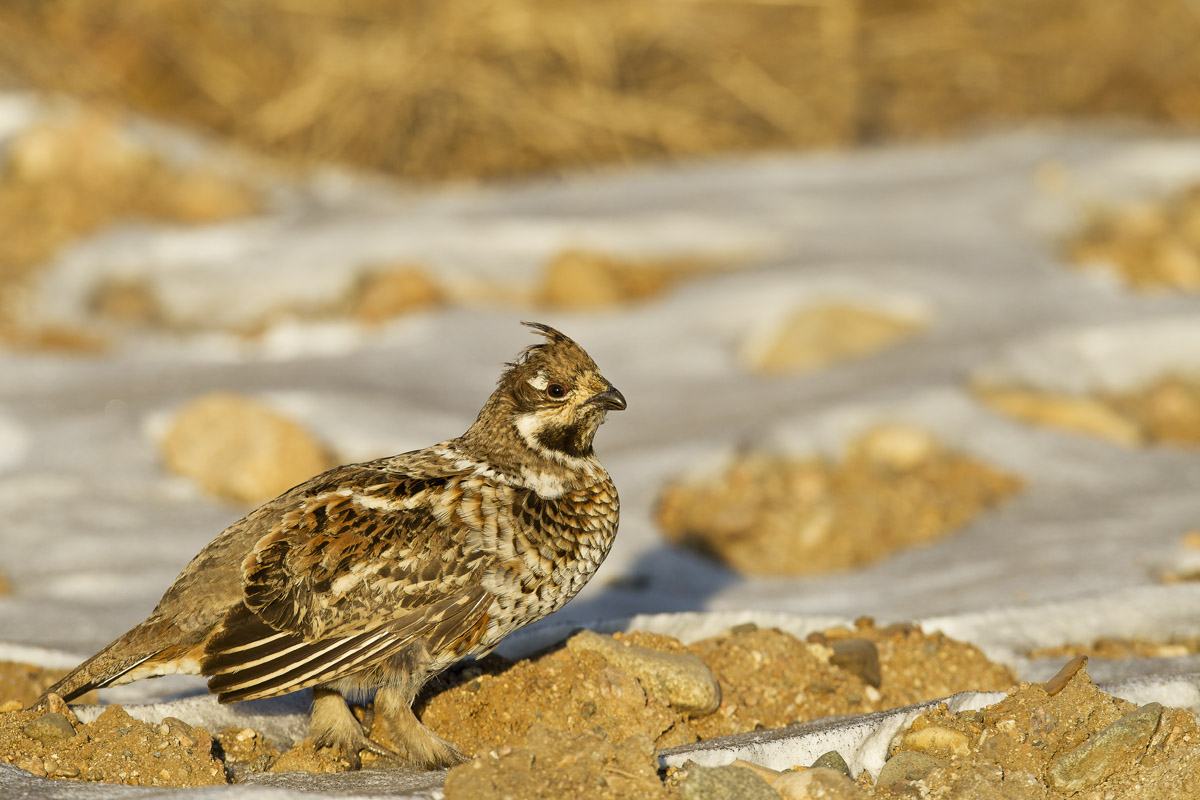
(898, 446)
(937, 740)
(832, 760)
(180, 731)
(49, 728)
(723, 783)
(858, 657)
(807, 784)
(1113, 748)
(907, 766)
(819, 783)
(682, 679)
(59, 706)
(1064, 675)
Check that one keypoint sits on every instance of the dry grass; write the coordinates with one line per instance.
(481, 88)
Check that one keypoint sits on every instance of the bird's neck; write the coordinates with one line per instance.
(506, 456)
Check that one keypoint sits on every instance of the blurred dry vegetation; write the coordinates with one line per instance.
(437, 89)
(477, 89)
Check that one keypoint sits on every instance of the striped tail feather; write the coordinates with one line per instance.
(249, 660)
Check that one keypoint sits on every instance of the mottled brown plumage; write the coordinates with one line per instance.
(380, 575)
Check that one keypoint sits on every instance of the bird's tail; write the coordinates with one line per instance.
(140, 653)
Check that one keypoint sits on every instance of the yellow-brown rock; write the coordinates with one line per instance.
(239, 449)
(822, 335)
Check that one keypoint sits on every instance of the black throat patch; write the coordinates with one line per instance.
(570, 439)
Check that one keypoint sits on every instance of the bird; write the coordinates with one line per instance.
(380, 575)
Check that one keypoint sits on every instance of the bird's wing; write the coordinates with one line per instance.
(363, 562)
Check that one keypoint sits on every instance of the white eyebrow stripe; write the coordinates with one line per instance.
(539, 381)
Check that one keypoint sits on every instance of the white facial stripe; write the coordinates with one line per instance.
(539, 381)
(528, 425)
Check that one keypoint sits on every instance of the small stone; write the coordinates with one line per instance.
(908, 766)
(34, 765)
(1120, 744)
(57, 705)
(723, 783)
(1064, 675)
(580, 281)
(389, 293)
(832, 760)
(1079, 414)
(682, 679)
(858, 657)
(897, 447)
(9, 706)
(820, 783)
(49, 728)
(816, 337)
(766, 773)
(938, 741)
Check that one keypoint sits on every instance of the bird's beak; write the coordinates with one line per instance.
(610, 399)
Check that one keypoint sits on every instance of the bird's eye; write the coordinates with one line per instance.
(556, 390)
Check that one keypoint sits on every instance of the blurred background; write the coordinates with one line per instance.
(480, 89)
(891, 269)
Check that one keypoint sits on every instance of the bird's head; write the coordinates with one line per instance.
(551, 400)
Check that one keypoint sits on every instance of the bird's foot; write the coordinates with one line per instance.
(395, 726)
(334, 726)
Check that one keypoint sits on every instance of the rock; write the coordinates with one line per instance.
(820, 783)
(807, 784)
(1119, 745)
(682, 679)
(897, 446)
(181, 732)
(723, 783)
(49, 728)
(1078, 414)
(908, 766)
(816, 337)
(577, 280)
(832, 760)
(240, 449)
(766, 773)
(939, 741)
(390, 293)
(1064, 675)
(57, 705)
(858, 657)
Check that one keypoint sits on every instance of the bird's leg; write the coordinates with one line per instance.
(397, 727)
(334, 725)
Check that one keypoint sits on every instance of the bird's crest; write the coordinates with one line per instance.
(558, 348)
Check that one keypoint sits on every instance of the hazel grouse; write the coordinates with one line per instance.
(378, 576)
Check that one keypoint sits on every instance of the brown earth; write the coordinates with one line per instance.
(1114, 648)
(767, 679)
(1166, 411)
(771, 514)
(568, 723)
(1150, 245)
